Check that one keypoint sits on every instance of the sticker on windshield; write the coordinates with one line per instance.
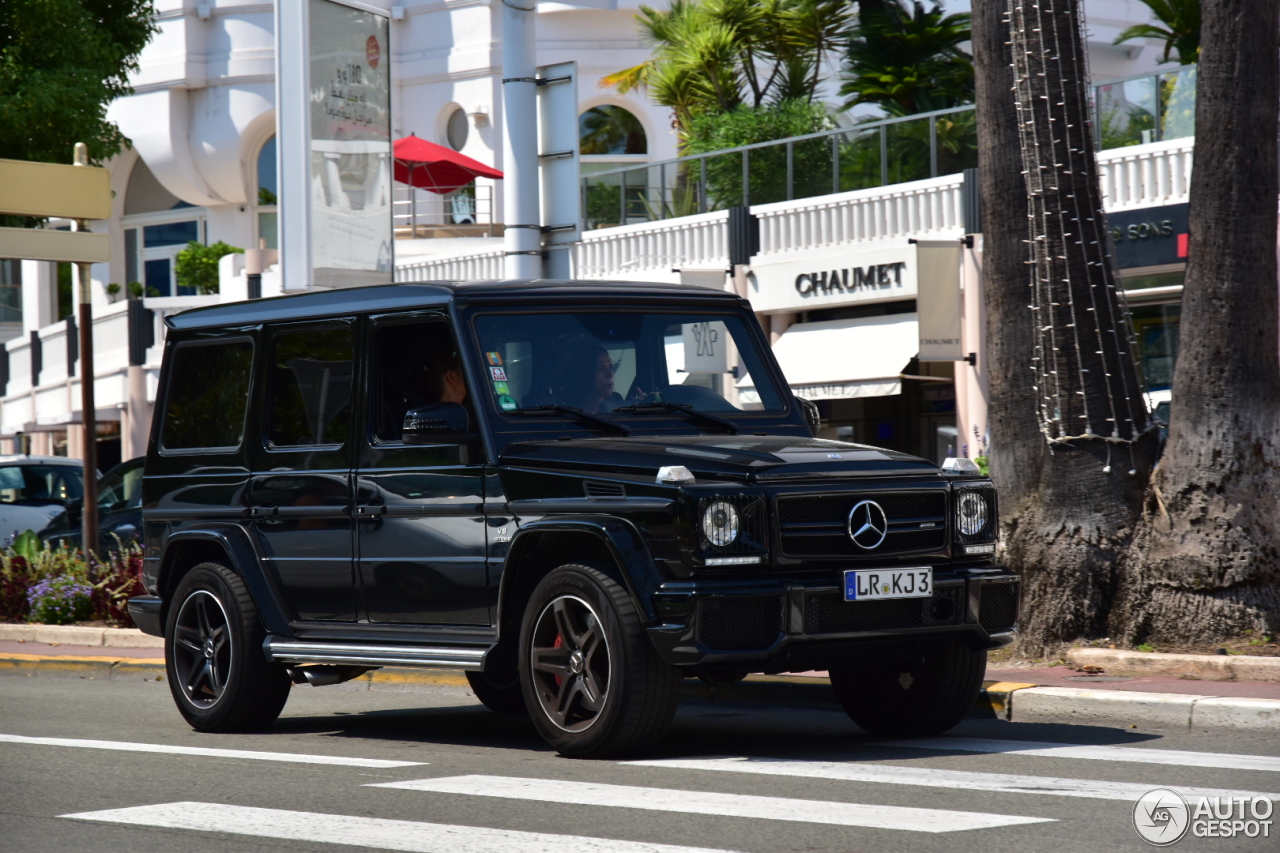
(495, 358)
(507, 403)
(501, 388)
(499, 375)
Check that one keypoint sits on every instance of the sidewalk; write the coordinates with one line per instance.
(1119, 695)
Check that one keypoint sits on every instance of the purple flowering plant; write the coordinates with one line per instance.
(60, 600)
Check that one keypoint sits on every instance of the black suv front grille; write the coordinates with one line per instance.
(998, 607)
(817, 526)
(740, 622)
(829, 613)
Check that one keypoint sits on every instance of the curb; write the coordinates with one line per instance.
(1028, 703)
(1207, 667)
(80, 635)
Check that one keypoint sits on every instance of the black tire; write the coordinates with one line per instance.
(608, 693)
(500, 692)
(915, 689)
(213, 655)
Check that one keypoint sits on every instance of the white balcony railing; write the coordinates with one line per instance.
(1150, 175)
(630, 251)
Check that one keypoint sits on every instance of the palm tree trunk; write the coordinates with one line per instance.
(1206, 561)
(1017, 451)
(1070, 443)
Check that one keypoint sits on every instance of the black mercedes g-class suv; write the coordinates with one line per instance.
(579, 493)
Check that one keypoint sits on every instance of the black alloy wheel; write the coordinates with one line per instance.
(569, 657)
(593, 683)
(202, 650)
(217, 674)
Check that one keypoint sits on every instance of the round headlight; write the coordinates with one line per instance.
(971, 513)
(720, 523)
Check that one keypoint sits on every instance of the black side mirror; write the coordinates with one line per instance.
(811, 414)
(439, 423)
(74, 508)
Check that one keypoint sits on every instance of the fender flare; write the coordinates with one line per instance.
(637, 571)
(244, 560)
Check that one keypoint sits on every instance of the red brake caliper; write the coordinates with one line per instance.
(557, 644)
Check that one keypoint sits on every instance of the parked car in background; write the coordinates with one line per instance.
(119, 510)
(37, 492)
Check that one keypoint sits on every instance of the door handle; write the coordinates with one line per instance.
(264, 510)
(370, 510)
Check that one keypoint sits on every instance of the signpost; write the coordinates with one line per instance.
(79, 192)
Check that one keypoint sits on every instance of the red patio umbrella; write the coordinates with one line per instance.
(424, 164)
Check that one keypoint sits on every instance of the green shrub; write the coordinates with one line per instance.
(197, 265)
(811, 160)
(60, 601)
(36, 582)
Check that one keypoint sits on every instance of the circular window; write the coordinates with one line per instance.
(457, 129)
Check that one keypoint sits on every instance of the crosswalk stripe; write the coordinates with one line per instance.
(1003, 783)
(1137, 755)
(171, 749)
(356, 831)
(705, 802)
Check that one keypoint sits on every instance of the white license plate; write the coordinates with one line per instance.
(870, 584)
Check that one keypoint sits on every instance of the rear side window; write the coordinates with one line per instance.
(311, 387)
(208, 396)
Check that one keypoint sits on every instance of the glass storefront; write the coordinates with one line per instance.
(1155, 302)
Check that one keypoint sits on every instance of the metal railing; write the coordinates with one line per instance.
(872, 154)
(422, 213)
(1149, 108)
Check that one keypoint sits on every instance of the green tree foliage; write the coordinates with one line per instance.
(811, 159)
(716, 55)
(906, 59)
(197, 265)
(61, 63)
(1181, 30)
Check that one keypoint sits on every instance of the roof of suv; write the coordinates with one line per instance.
(393, 297)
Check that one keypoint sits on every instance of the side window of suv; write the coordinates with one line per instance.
(310, 395)
(208, 396)
(415, 364)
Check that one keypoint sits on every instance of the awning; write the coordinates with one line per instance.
(843, 359)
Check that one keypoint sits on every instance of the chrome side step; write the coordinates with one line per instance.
(285, 650)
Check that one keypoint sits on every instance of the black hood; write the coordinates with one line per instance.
(735, 457)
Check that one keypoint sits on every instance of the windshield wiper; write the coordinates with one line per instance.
(577, 414)
(684, 409)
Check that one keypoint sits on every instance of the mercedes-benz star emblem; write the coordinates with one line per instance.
(867, 525)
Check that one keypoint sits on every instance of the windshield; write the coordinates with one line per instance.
(40, 484)
(603, 361)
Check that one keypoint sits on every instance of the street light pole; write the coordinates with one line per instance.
(88, 407)
(521, 208)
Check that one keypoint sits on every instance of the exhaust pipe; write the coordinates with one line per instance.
(321, 675)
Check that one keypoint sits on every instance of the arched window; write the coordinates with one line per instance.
(268, 189)
(611, 130)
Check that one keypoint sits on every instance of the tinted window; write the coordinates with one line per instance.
(119, 488)
(599, 361)
(414, 364)
(310, 400)
(37, 484)
(208, 394)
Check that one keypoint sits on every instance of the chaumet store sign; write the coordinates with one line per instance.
(808, 284)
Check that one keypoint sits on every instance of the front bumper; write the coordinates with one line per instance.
(791, 625)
